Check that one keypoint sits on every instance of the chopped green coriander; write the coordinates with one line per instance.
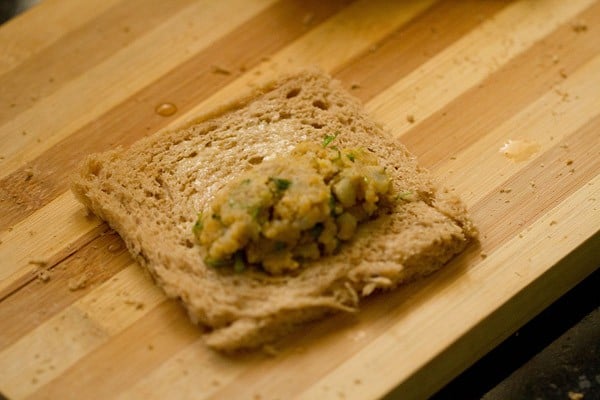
(211, 262)
(316, 230)
(281, 184)
(238, 262)
(329, 138)
(198, 226)
(404, 195)
(351, 156)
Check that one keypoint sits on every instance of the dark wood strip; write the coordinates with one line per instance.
(413, 44)
(504, 93)
(79, 50)
(185, 86)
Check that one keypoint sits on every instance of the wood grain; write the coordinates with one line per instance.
(79, 77)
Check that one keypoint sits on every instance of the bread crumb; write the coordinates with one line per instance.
(78, 282)
(562, 73)
(505, 190)
(270, 350)
(410, 118)
(28, 174)
(579, 27)
(113, 248)
(137, 304)
(532, 184)
(354, 86)
(553, 222)
(575, 395)
(569, 162)
(42, 275)
(308, 19)
(216, 69)
(483, 255)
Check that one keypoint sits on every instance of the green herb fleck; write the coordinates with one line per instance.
(281, 184)
(351, 156)
(316, 230)
(198, 226)
(246, 181)
(332, 205)
(239, 265)
(404, 195)
(215, 263)
(329, 138)
(216, 216)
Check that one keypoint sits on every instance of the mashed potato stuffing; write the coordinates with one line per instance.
(293, 208)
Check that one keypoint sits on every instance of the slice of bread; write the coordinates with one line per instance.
(152, 192)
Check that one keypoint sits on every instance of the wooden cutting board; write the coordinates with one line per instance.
(454, 81)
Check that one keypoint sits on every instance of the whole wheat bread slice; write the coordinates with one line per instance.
(151, 194)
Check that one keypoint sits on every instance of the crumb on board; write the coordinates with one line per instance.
(78, 282)
(307, 19)
(270, 350)
(410, 118)
(113, 248)
(483, 255)
(579, 27)
(42, 275)
(135, 303)
(553, 222)
(569, 162)
(505, 190)
(217, 69)
(354, 86)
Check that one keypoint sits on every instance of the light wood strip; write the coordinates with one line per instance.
(518, 263)
(57, 230)
(113, 80)
(467, 62)
(76, 331)
(52, 20)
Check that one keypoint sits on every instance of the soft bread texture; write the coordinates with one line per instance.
(152, 192)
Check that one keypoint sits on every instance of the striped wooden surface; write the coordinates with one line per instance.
(84, 76)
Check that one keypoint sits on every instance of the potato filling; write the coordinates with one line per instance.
(292, 208)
